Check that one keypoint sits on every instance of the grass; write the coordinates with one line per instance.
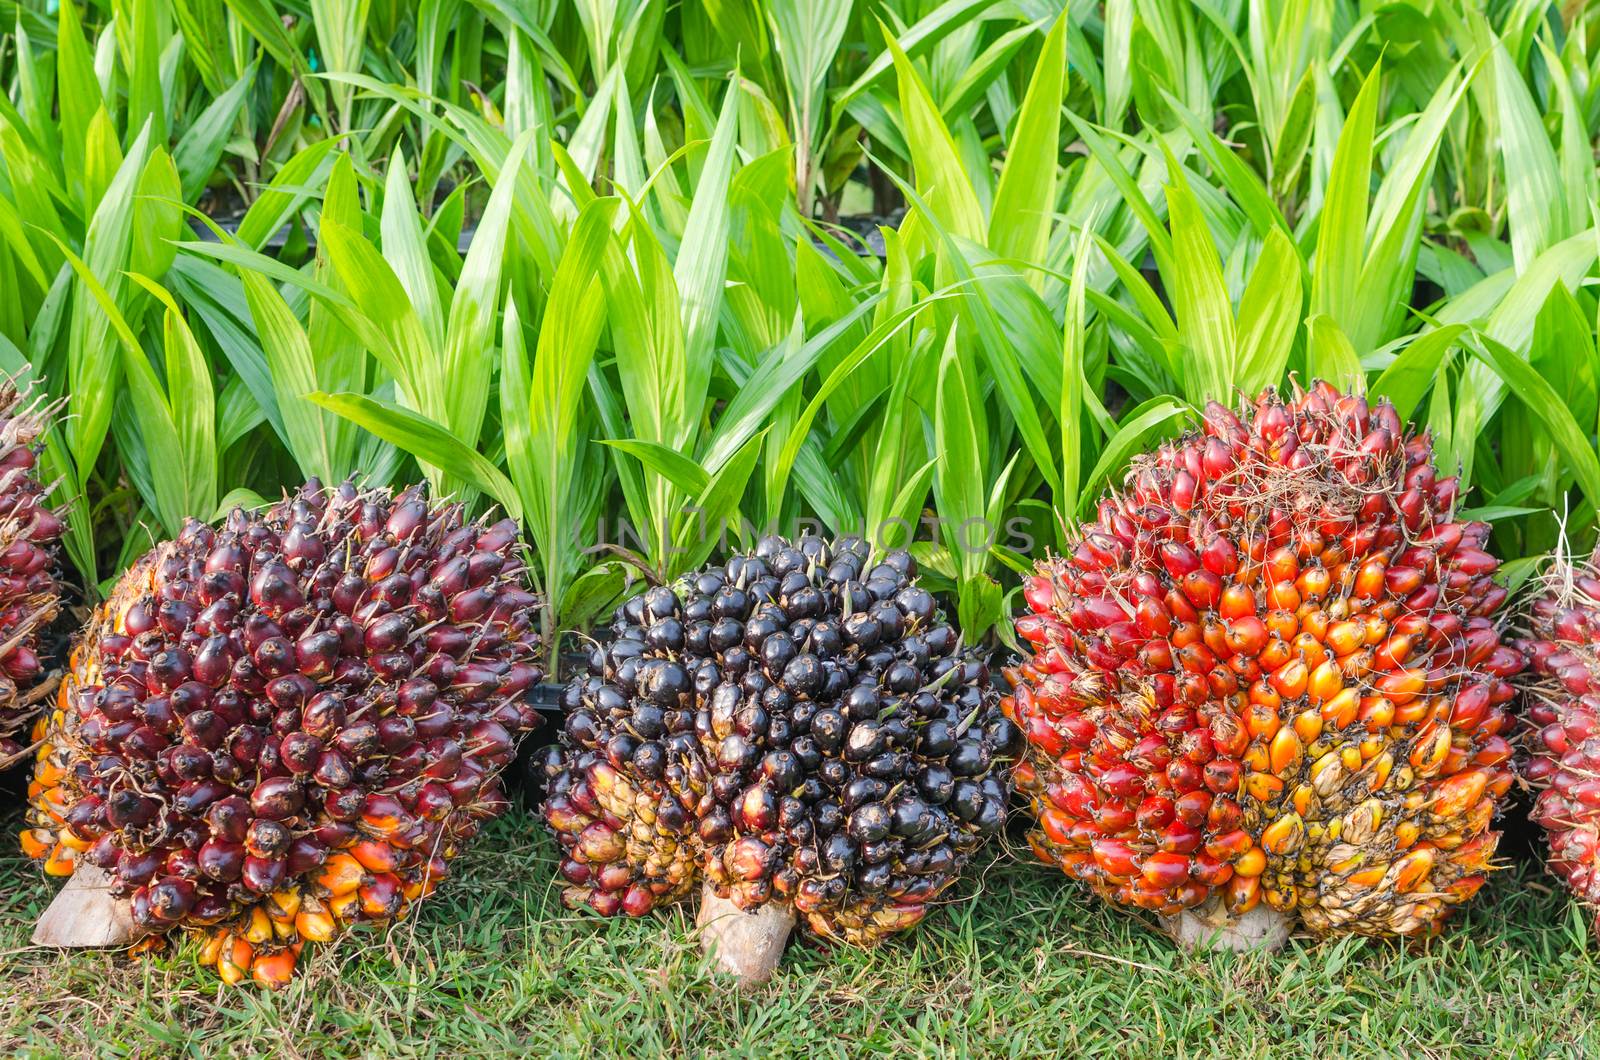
(495, 965)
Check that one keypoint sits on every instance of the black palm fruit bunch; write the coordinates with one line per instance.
(291, 724)
(30, 597)
(798, 725)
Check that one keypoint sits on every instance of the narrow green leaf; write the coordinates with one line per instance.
(1342, 228)
(1414, 370)
(405, 247)
(941, 178)
(1069, 410)
(403, 346)
(1544, 402)
(1200, 297)
(168, 489)
(294, 377)
(94, 365)
(714, 508)
(1134, 431)
(959, 479)
(678, 469)
(145, 103)
(1024, 202)
(1270, 311)
(1536, 204)
(77, 92)
(202, 144)
(1330, 356)
(470, 332)
(429, 442)
(191, 397)
(286, 194)
(701, 266)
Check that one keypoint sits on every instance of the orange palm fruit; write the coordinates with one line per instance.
(273, 970)
(341, 874)
(1328, 603)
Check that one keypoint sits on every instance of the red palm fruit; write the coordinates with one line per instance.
(1561, 728)
(30, 596)
(1315, 725)
(258, 691)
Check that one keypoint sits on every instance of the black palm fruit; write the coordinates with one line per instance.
(798, 725)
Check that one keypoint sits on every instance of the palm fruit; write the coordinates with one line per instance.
(1270, 671)
(1561, 722)
(290, 725)
(798, 725)
(625, 785)
(30, 597)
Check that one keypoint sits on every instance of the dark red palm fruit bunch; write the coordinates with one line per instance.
(30, 542)
(1562, 723)
(292, 723)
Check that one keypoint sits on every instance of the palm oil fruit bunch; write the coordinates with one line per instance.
(289, 725)
(1269, 672)
(30, 597)
(798, 726)
(1562, 722)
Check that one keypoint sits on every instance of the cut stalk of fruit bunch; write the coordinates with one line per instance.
(1269, 674)
(799, 728)
(30, 597)
(1562, 722)
(288, 725)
